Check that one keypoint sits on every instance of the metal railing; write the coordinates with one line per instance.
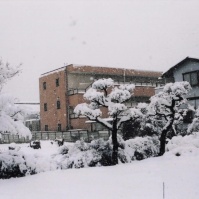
(75, 91)
(7, 138)
(68, 136)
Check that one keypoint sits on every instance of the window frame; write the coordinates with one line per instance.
(45, 127)
(58, 104)
(44, 86)
(57, 82)
(189, 73)
(45, 107)
(59, 127)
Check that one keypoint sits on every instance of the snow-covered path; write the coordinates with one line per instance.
(137, 180)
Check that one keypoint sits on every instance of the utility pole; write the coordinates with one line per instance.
(124, 75)
(163, 191)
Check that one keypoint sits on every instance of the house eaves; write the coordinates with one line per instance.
(169, 73)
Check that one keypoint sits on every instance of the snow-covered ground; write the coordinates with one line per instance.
(138, 180)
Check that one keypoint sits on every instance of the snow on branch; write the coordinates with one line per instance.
(177, 88)
(102, 84)
(116, 109)
(11, 115)
(95, 96)
(120, 95)
(84, 109)
(91, 114)
(7, 72)
(101, 95)
(130, 115)
(172, 96)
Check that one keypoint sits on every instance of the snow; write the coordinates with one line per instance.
(11, 115)
(120, 95)
(103, 83)
(138, 179)
(54, 71)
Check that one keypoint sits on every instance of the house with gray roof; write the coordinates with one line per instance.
(186, 70)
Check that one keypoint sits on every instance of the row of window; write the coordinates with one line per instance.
(58, 127)
(56, 83)
(58, 105)
(192, 78)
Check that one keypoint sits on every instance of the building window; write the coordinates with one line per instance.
(46, 127)
(57, 82)
(58, 104)
(59, 127)
(192, 78)
(44, 85)
(188, 117)
(45, 107)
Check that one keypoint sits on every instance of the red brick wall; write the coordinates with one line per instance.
(76, 99)
(53, 116)
(79, 123)
(144, 91)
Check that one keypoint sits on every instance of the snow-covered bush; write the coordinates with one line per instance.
(63, 150)
(142, 147)
(19, 163)
(194, 126)
(12, 164)
(99, 152)
(183, 146)
(13, 146)
(79, 155)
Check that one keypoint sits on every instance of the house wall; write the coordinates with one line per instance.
(188, 66)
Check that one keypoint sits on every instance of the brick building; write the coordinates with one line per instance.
(62, 89)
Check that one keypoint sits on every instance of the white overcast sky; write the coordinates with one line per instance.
(140, 34)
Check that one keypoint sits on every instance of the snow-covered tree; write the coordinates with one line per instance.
(11, 115)
(168, 105)
(104, 93)
(194, 126)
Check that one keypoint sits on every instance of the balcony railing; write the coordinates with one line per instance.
(75, 91)
(138, 84)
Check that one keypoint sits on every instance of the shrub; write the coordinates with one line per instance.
(183, 146)
(12, 164)
(63, 150)
(99, 152)
(143, 147)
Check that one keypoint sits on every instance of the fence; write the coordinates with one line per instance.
(69, 136)
(7, 138)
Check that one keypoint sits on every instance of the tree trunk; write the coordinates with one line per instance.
(163, 137)
(163, 142)
(168, 126)
(115, 144)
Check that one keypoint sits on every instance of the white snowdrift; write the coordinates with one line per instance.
(137, 180)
